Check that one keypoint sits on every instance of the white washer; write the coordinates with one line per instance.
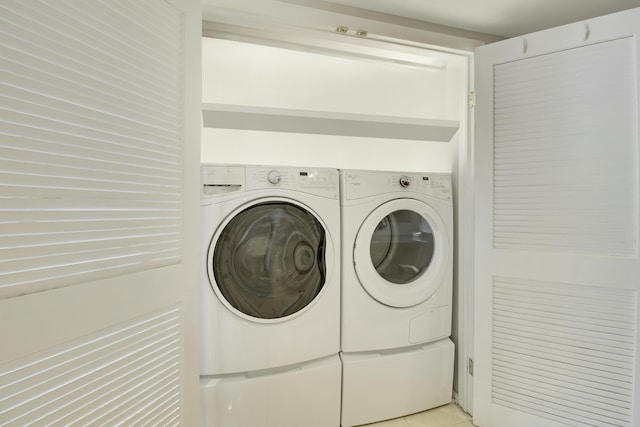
(270, 296)
(397, 269)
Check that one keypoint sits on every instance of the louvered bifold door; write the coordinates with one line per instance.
(557, 268)
(91, 145)
(99, 156)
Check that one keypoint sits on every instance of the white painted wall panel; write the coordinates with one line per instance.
(263, 76)
(236, 73)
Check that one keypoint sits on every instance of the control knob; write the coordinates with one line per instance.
(274, 177)
(405, 182)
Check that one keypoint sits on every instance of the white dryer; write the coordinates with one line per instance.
(397, 269)
(270, 296)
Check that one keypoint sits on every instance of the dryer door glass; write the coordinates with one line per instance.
(268, 261)
(402, 246)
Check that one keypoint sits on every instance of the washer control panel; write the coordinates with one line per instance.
(318, 181)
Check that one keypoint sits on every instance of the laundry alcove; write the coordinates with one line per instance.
(280, 94)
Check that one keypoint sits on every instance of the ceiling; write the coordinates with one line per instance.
(504, 18)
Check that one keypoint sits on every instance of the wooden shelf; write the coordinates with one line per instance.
(326, 123)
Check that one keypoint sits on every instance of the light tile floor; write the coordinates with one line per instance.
(450, 415)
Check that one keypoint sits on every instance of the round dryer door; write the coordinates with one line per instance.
(401, 253)
(267, 260)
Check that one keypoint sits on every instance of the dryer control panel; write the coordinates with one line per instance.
(360, 184)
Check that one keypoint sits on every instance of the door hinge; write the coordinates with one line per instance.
(472, 99)
(470, 366)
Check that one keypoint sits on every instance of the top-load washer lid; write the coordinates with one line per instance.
(401, 252)
(268, 260)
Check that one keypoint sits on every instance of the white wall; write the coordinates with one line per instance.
(245, 74)
(276, 148)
